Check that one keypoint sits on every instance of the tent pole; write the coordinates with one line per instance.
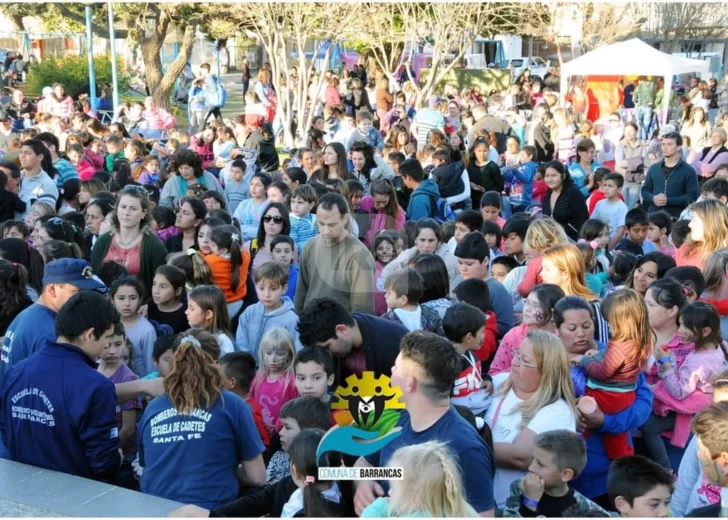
(666, 98)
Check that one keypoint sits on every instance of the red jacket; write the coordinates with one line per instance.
(258, 418)
(487, 349)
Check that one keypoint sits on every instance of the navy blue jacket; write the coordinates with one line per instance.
(58, 412)
(680, 186)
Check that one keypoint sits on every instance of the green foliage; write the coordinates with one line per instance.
(72, 73)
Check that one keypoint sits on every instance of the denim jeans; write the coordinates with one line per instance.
(644, 119)
(631, 194)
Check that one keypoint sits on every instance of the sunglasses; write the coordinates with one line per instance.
(275, 220)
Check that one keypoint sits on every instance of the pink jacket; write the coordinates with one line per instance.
(380, 304)
(85, 170)
(507, 349)
(95, 159)
(159, 119)
(63, 108)
(378, 220)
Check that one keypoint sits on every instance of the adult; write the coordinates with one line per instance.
(697, 128)
(671, 184)
(542, 136)
(8, 134)
(261, 139)
(426, 119)
(564, 202)
(358, 341)
(30, 330)
(188, 172)
(214, 98)
(716, 281)
(433, 270)
(367, 167)
(220, 439)
(708, 233)
(358, 98)
(425, 370)
(708, 426)
(20, 109)
(96, 211)
(59, 104)
(18, 251)
(69, 421)
(65, 169)
(155, 120)
(335, 164)
(383, 209)
(273, 222)
(190, 214)
(563, 265)
(335, 263)
(713, 156)
(643, 98)
(575, 326)
(264, 90)
(487, 121)
(537, 396)
(245, 76)
(131, 242)
(629, 160)
(648, 268)
(35, 183)
(582, 170)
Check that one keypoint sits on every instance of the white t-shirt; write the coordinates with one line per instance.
(610, 213)
(412, 320)
(506, 427)
(226, 344)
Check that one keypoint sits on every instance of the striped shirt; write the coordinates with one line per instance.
(66, 171)
(303, 229)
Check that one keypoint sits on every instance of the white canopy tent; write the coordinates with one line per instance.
(631, 58)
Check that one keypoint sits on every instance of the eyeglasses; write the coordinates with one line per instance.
(517, 361)
(269, 218)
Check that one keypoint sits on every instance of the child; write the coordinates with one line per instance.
(559, 456)
(383, 249)
(163, 220)
(538, 311)
(237, 186)
(611, 209)
(490, 207)
(436, 492)
(658, 232)
(250, 210)
(464, 325)
(619, 271)
(636, 222)
(450, 177)
(494, 237)
(203, 235)
(404, 292)
(206, 310)
(595, 281)
(597, 231)
(162, 356)
(148, 173)
(612, 377)
(514, 233)
(279, 191)
(283, 251)
(541, 235)
(126, 294)
(501, 266)
(229, 264)
(680, 232)
(476, 293)
(314, 369)
(693, 284)
(10, 203)
(167, 310)
(274, 382)
(465, 222)
(239, 371)
(640, 488)
(110, 366)
(303, 222)
(598, 193)
(521, 179)
(273, 310)
(214, 200)
(684, 390)
(115, 150)
(365, 132)
(15, 229)
(483, 172)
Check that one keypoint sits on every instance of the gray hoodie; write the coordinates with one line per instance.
(255, 321)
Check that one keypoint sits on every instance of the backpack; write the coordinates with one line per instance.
(441, 210)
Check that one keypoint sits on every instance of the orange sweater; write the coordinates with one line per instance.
(222, 275)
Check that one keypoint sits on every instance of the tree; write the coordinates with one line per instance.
(284, 27)
(681, 25)
(382, 37)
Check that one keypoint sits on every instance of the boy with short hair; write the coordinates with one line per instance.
(465, 222)
(239, 371)
(521, 178)
(449, 176)
(716, 188)
(283, 251)
(501, 266)
(658, 232)
(464, 325)
(404, 292)
(365, 132)
(237, 187)
(475, 292)
(272, 310)
(514, 233)
(494, 237)
(314, 369)
(490, 208)
(598, 193)
(559, 456)
(346, 129)
(611, 210)
(424, 192)
(722, 172)
(424, 155)
(395, 160)
(162, 353)
(115, 150)
(303, 222)
(639, 487)
(636, 221)
(679, 233)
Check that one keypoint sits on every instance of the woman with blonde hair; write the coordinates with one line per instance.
(563, 265)
(437, 492)
(708, 233)
(713, 156)
(537, 396)
(217, 426)
(541, 235)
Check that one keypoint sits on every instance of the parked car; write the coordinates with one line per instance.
(537, 66)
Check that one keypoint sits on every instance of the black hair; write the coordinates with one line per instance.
(17, 224)
(664, 264)
(668, 293)
(153, 192)
(319, 319)
(282, 239)
(689, 277)
(662, 219)
(286, 230)
(519, 226)
(59, 228)
(408, 283)
(222, 214)
(491, 199)
(618, 178)
(303, 450)
(240, 366)
(622, 266)
(471, 218)
(636, 217)
(161, 345)
(591, 229)
(85, 310)
(227, 237)
(111, 271)
(439, 361)
(13, 289)
(570, 303)
(475, 292)
(331, 200)
(68, 192)
(164, 217)
(473, 246)
(175, 276)
(297, 175)
(413, 169)
(561, 170)
(675, 136)
(718, 186)
(48, 138)
(492, 228)
(55, 250)
(127, 281)
(433, 270)
(548, 296)
(506, 260)
(462, 319)
(264, 178)
(315, 354)
(680, 232)
(308, 411)
(697, 316)
(635, 476)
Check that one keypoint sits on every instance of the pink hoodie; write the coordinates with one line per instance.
(379, 220)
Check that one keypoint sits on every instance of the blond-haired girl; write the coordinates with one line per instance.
(435, 492)
(541, 235)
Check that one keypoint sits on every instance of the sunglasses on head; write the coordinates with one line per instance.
(271, 218)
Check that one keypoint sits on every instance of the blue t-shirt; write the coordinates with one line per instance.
(292, 281)
(476, 462)
(193, 459)
(26, 335)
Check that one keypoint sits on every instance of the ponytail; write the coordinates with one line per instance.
(194, 380)
(227, 237)
(303, 458)
(196, 270)
(13, 280)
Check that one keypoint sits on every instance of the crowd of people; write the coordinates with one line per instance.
(549, 293)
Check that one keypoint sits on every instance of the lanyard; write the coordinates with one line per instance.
(498, 410)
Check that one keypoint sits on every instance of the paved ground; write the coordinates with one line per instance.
(8, 508)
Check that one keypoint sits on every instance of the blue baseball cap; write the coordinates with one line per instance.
(74, 272)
